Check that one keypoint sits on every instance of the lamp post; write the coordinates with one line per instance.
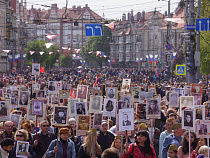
(137, 60)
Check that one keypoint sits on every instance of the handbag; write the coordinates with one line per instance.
(131, 155)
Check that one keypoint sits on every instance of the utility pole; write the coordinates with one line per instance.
(190, 43)
(197, 52)
(168, 67)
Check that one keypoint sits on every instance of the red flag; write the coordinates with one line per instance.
(96, 80)
(72, 94)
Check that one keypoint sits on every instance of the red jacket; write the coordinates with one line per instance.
(137, 153)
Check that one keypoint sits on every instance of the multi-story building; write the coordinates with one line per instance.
(142, 37)
(67, 23)
(13, 17)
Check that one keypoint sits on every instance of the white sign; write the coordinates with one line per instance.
(35, 69)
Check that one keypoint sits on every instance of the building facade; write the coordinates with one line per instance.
(67, 23)
(140, 40)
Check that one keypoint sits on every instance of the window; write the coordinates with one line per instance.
(69, 36)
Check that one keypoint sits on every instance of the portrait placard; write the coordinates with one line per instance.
(187, 101)
(20, 80)
(29, 116)
(5, 110)
(126, 119)
(53, 98)
(174, 99)
(71, 106)
(121, 105)
(35, 87)
(35, 69)
(197, 98)
(109, 107)
(142, 96)
(40, 94)
(66, 87)
(108, 83)
(83, 124)
(14, 102)
(203, 128)
(97, 120)
(44, 103)
(126, 85)
(196, 88)
(153, 90)
(135, 95)
(37, 107)
(23, 98)
(95, 104)
(22, 149)
(63, 95)
(82, 91)
(9, 89)
(7, 95)
(141, 111)
(149, 95)
(153, 108)
(15, 118)
(120, 95)
(199, 112)
(128, 100)
(80, 108)
(111, 92)
(188, 118)
(134, 87)
(187, 90)
(54, 86)
(60, 116)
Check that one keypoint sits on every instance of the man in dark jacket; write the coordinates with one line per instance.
(43, 140)
(105, 138)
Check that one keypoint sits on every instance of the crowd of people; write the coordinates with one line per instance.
(150, 138)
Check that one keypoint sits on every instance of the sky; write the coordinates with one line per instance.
(110, 9)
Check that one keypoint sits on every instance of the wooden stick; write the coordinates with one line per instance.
(36, 126)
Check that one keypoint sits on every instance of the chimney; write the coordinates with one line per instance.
(138, 17)
(129, 17)
(143, 15)
(132, 17)
(124, 17)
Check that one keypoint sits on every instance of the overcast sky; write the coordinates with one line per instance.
(112, 9)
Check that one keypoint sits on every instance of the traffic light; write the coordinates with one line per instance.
(57, 61)
(168, 72)
(190, 62)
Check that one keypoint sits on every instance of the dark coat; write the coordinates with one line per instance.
(105, 141)
(43, 143)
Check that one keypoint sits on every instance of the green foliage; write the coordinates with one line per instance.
(205, 40)
(66, 61)
(45, 59)
(205, 53)
(100, 43)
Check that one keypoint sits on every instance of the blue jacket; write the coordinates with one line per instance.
(170, 139)
(71, 153)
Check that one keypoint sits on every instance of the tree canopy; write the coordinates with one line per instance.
(45, 59)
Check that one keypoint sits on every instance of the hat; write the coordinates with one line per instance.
(104, 122)
(177, 126)
(142, 125)
(118, 137)
(173, 147)
(92, 130)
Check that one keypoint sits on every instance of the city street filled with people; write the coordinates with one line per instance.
(103, 113)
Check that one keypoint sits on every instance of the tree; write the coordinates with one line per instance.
(205, 41)
(66, 60)
(45, 59)
(94, 44)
